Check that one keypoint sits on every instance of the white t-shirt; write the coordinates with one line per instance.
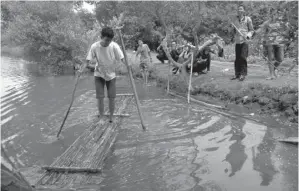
(106, 59)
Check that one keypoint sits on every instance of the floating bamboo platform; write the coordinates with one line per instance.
(81, 163)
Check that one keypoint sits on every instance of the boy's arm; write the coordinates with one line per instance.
(84, 66)
(89, 57)
(250, 28)
(149, 53)
(138, 52)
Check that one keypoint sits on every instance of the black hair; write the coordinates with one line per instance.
(107, 32)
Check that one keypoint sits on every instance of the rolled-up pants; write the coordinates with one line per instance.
(241, 51)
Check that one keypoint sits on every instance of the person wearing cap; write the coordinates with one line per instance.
(245, 27)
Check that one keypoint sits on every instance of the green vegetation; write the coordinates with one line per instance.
(61, 32)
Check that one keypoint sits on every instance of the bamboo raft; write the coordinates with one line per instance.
(81, 163)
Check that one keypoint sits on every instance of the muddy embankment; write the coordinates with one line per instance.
(255, 98)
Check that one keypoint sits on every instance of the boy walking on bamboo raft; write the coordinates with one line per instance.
(106, 53)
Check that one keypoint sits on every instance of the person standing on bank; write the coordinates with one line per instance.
(145, 59)
(245, 26)
(274, 41)
(106, 53)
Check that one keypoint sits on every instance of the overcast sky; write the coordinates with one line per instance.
(88, 7)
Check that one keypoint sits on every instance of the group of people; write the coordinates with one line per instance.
(182, 52)
(272, 33)
(107, 53)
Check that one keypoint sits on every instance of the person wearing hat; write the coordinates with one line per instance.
(245, 27)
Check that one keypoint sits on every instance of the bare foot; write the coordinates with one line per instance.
(270, 78)
(111, 119)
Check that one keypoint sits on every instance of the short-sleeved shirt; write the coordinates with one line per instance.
(106, 59)
(144, 53)
(245, 27)
(275, 33)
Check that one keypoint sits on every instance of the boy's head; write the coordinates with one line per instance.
(107, 35)
(140, 42)
(173, 45)
(241, 11)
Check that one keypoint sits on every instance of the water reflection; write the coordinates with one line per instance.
(262, 161)
(192, 151)
(236, 157)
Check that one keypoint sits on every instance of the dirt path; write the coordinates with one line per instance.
(221, 72)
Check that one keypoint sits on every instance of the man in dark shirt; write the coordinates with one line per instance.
(175, 56)
(202, 61)
(161, 54)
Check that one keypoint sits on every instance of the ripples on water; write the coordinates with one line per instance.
(184, 148)
(33, 104)
(188, 148)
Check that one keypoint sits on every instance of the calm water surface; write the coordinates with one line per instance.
(185, 147)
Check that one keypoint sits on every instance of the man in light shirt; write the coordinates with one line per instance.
(244, 25)
(145, 59)
(106, 53)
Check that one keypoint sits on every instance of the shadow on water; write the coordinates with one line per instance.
(185, 147)
(188, 148)
(237, 156)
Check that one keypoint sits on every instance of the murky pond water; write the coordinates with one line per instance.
(184, 148)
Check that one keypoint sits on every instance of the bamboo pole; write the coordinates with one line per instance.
(73, 97)
(190, 79)
(168, 77)
(71, 169)
(131, 79)
(200, 102)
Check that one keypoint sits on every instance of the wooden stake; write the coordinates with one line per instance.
(73, 97)
(190, 79)
(168, 78)
(131, 79)
(71, 169)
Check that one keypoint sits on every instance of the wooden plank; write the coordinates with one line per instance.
(118, 115)
(71, 169)
(291, 140)
(124, 94)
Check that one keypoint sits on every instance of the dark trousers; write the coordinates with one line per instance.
(162, 57)
(241, 51)
(200, 66)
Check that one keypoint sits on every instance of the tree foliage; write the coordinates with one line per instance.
(62, 32)
(51, 29)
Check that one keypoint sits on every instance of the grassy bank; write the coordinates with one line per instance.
(274, 97)
(16, 52)
(277, 97)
